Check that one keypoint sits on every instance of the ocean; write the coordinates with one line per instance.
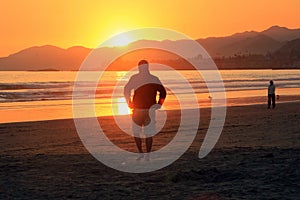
(30, 96)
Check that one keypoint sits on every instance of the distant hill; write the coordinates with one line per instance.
(288, 55)
(240, 50)
(45, 57)
(251, 42)
(282, 34)
(240, 45)
(290, 50)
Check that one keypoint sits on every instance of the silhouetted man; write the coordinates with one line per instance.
(271, 95)
(144, 103)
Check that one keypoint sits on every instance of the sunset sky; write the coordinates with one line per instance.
(67, 23)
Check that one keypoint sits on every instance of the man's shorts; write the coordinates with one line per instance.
(143, 118)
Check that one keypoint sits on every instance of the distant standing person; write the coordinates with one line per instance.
(145, 87)
(271, 95)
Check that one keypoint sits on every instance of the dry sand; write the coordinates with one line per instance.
(256, 157)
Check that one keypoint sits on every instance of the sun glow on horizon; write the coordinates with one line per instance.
(120, 40)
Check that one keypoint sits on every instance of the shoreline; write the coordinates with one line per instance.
(203, 104)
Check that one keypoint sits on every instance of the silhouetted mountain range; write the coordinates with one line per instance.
(276, 47)
(45, 57)
(251, 42)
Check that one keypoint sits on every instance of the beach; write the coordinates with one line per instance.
(196, 80)
(256, 157)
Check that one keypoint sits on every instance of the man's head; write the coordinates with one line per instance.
(271, 82)
(143, 66)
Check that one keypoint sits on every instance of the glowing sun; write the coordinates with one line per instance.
(121, 40)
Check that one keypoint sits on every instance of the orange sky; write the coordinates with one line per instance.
(66, 23)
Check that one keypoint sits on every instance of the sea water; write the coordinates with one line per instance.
(31, 96)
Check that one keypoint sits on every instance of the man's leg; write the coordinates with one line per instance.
(150, 130)
(269, 100)
(136, 128)
(149, 142)
(138, 142)
(273, 101)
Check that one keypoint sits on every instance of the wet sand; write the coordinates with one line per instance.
(256, 157)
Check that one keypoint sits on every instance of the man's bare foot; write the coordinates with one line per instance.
(147, 157)
(140, 156)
